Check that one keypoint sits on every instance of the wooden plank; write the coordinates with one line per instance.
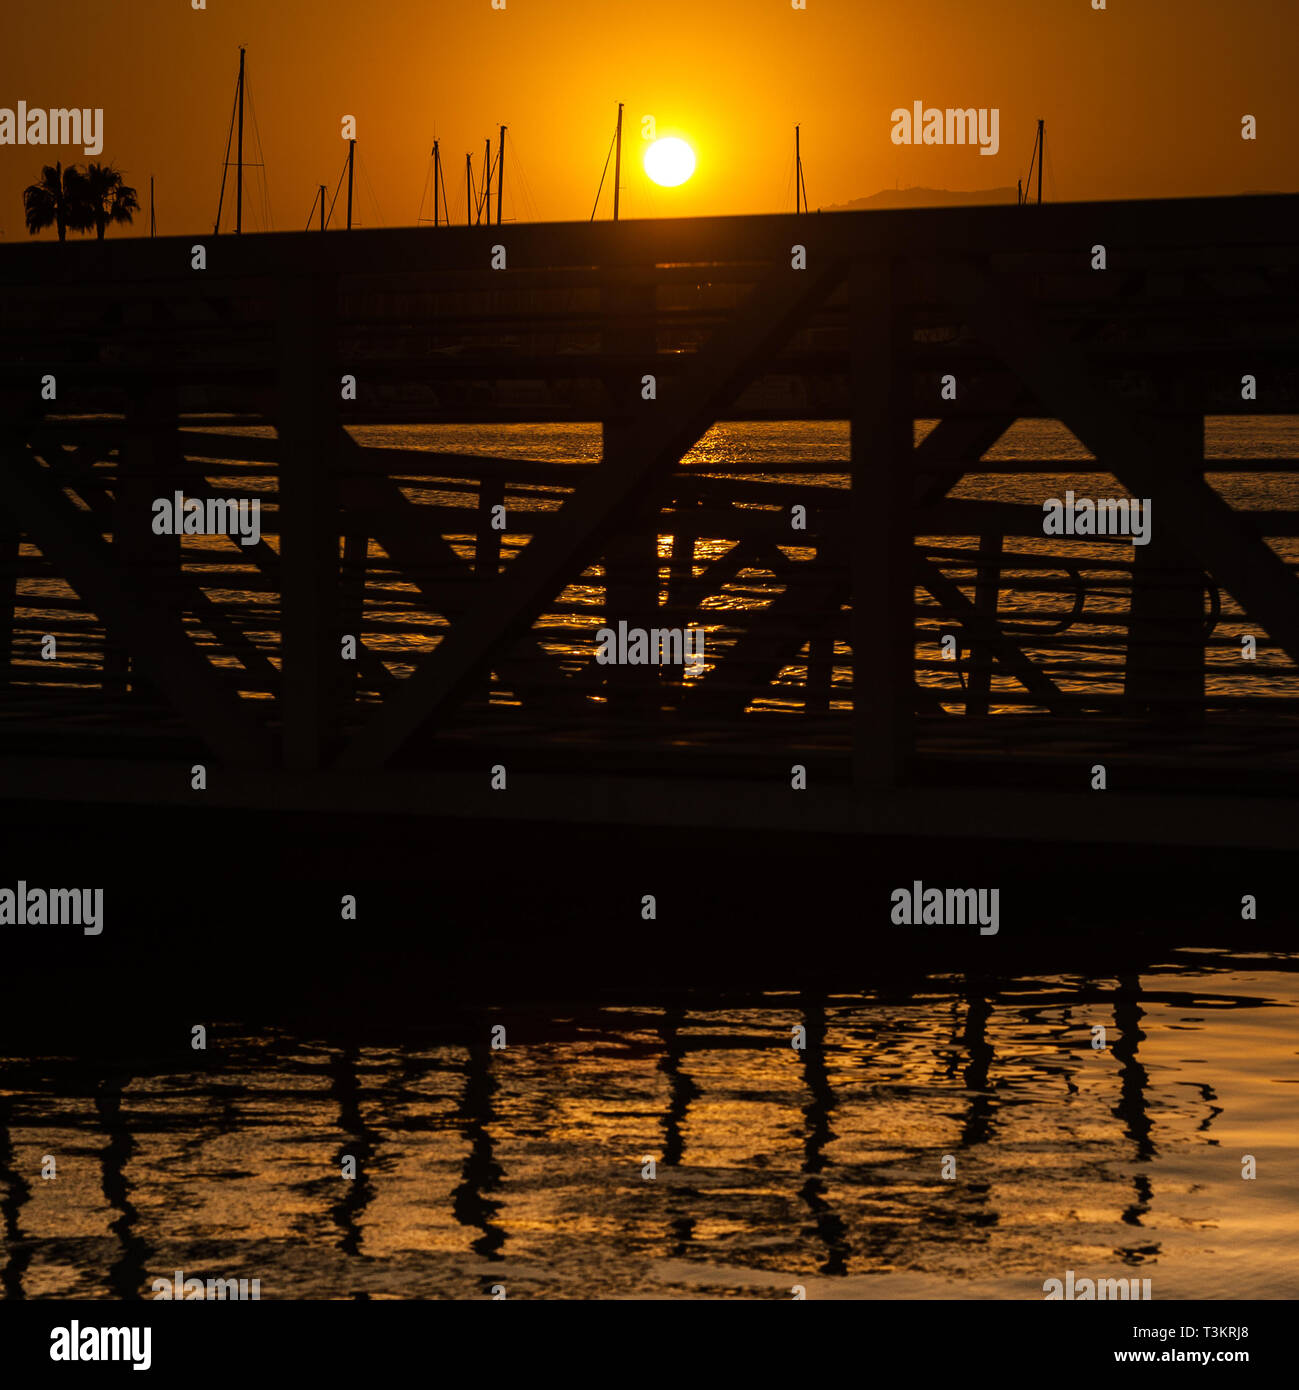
(809, 603)
(1238, 229)
(309, 386)
(71, 542)
(987, 590)
(987, 631)
(154, 560)
(10, 542)
(1222, 540)
(882, 594)
(412, 543)
(630, 559)
(674, 424)
(1165, 659)
(709, 802)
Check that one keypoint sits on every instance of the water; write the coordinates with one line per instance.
(775, 1167)
(399, 627)
(1039, 592)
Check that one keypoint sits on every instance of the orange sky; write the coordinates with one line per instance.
(1142, 99)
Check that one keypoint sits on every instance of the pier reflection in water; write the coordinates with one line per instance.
(775, 1166)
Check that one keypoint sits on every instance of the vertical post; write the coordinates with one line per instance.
(149, 563)
(469, 191)
(239, 175)
(1041, 158)
(820, 673)
(487, 181)
(987, 595)
(798, 167)
(500, 178)
(351, 169)
(307, 413)
(487, 544)
(322, 207)
(882, 623)
(487, 550)
(356, 547)
(833, 552)
(10, 543)
(631, 560)
(1164, 674)
(437, 174)
(681, 558)
(617, 163)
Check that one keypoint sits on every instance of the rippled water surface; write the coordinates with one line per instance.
(773, 1166)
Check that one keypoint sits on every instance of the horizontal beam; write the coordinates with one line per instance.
(70, 540)
(977, 813)
(1228, 230)
(662, 435)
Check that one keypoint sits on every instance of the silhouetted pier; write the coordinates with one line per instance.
(475, 646)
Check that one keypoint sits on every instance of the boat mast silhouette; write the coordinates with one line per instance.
(500, 178)
(617, 168)
(236, 137)
(1039, 152)
(236, 117)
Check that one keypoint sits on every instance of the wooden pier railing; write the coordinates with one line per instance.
(474, 449)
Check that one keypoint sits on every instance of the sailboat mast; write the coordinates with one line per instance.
(1041, 158)
(351, 166)
(322, 207)
(437, 173)
(239, 157)
(617, 163)
(469, 191)
(153, 224)
(487, 181)
(798, 170)
(500, 177)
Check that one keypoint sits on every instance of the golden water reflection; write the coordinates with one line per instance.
(774, 1166)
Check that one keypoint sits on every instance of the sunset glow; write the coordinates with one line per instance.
(649, 655)
(669, 162)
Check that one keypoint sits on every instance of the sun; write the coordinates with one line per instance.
(669, 162)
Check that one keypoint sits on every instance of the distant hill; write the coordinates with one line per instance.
(948, 198)
(926, 198)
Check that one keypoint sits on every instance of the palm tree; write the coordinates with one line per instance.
(58, 200)
(108, 199)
